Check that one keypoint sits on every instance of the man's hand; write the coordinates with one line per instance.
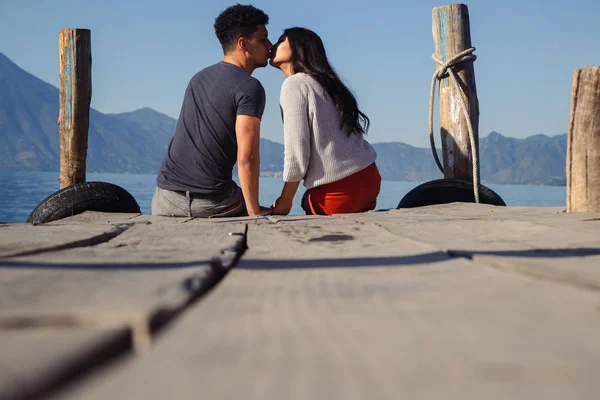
(282, 206)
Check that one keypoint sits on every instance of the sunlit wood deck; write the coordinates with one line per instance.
(457, 301)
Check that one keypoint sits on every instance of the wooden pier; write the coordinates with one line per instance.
(455, 301)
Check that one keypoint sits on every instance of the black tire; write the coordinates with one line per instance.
(86, 196)
(442, 191)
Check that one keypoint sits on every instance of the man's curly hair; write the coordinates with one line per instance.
(237, 21)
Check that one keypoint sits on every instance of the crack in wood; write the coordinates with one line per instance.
(137, 332)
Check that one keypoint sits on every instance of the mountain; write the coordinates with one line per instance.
(28, 116)
(29, 130)
(400, 161)
(136, 141)
(151, 121)
(537, 159)
(271, 156)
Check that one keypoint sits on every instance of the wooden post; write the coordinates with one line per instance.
(451, 35)
(583, 146)
(75, 97)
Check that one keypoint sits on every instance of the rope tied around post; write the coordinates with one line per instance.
(446, 69)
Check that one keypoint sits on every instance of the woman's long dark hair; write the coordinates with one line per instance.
(308, 56)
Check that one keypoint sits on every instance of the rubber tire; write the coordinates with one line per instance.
(443, 191)
(86, 196)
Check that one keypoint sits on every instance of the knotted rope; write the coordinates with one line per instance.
(439, 74)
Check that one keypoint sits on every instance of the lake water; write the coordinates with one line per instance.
(22, 191)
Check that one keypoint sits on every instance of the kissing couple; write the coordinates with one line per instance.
(219, 126)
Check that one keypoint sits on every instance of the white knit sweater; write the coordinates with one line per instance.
(316, 149)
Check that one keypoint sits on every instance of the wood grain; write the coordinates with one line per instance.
(452, 35)
(583, 146)
(340, 308)
(75, 96)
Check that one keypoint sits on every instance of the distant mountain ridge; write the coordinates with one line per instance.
(29, 131)
(136, 141)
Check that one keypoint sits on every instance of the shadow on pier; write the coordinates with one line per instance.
(358, 262)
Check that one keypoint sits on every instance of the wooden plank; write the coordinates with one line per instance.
(23, 238)
(557, 246)
(75, 96)
(451, 36)
(35, 362)
(139, 279)
(98, 218)
(463, 210)
(138, 270)
(138, 283)
(583, 150)
(336, 308)
(446, 213)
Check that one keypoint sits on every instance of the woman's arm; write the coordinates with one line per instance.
(296, 140)
(283, 205)
(296, 129)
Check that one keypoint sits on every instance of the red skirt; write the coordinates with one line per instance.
(355, 193)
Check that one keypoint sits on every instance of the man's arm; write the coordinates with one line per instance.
(247, 131)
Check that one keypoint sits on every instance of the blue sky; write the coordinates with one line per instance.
(145, 52)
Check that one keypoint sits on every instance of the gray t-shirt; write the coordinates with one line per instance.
(203, 150)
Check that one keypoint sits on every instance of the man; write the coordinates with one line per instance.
(219, 124)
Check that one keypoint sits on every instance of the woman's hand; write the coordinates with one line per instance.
(282, 206)
(263, 211)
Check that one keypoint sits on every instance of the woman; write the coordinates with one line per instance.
(323, 132)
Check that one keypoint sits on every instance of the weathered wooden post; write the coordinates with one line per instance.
(583, 143)
(75, 97)
(451, 36)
